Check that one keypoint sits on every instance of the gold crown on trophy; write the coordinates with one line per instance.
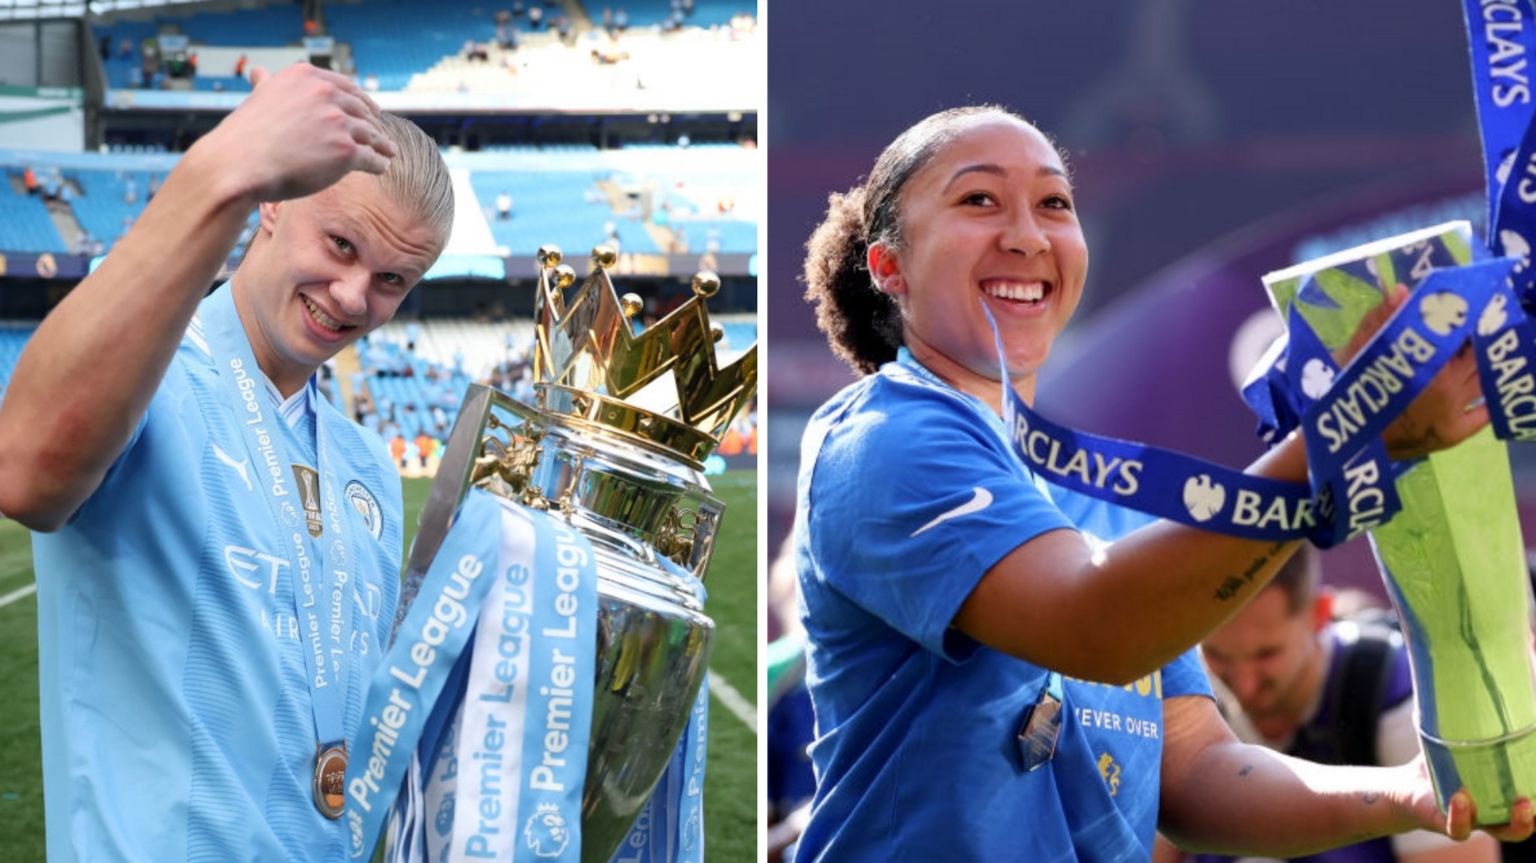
(662, 386)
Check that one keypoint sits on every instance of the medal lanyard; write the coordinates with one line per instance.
(321, 595)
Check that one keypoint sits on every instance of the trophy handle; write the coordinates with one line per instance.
(445, 494)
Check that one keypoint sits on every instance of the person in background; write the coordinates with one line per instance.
(1003, 670)
(1291, 677)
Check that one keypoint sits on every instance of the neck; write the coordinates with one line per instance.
(962, 378)
(288, 378)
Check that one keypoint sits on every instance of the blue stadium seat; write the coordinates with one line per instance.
(24, 223)
(550, 207)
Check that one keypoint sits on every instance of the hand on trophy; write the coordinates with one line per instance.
(1447, 412)
(336, 122)
(1418, 804)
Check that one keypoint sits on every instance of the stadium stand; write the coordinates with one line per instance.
(650, 198)
(25, 225)
(571, 195)
(397, 45)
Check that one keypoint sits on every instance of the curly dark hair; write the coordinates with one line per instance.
(863, 324)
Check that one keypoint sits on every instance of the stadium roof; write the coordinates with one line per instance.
(26, 10)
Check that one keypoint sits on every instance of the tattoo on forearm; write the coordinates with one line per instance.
(1247, 769)
(1235, 583)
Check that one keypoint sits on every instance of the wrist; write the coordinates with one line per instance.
(211, 169)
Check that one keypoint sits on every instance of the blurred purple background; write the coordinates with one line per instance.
(1211, 142)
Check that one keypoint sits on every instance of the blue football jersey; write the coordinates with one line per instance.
(176, 710)
(909, 493)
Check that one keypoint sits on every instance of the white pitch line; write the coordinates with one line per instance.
(24, 592)
(740, 707)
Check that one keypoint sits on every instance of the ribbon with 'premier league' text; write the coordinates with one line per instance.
(670, 826)
(414, 670)
(501, 765)
(527, 708)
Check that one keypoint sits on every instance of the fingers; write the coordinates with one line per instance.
(369, 160)
(365, 127)
(1460, 816)
(1519, 826)
(258, 75)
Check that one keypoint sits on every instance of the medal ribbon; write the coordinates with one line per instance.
(322, 594)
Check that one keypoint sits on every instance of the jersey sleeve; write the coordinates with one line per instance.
(912, 499)
(1102, 519)
(1186, 676)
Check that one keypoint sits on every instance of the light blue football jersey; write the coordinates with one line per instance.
(176, 711)
(909, 493)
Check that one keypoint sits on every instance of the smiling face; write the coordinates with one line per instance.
(987, 223)
(325, 270)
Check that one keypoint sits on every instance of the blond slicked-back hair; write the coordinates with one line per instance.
(417, 176)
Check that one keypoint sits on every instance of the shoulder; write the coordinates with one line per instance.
(892, 417)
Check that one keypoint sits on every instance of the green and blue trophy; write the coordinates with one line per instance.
(1453, 559)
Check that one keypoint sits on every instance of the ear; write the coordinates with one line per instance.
(1322, 609)
(885, 269)
(267, 211)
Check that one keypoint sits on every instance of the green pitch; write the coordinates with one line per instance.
(730, 807)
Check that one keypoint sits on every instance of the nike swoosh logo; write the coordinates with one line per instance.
(978, 502)
(239, 466)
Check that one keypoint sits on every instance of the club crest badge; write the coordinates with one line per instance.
(367, 506)
(308, 480)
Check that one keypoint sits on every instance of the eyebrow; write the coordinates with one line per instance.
(1000, 171)
(353, 230)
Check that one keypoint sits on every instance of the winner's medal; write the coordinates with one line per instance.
(319, 573)
(330, 779)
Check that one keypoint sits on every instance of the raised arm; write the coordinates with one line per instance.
(86, 377)
(1126, 611)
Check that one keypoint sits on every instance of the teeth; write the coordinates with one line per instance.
(1030, 292)
(320, 317)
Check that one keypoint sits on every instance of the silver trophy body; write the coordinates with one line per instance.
(653, 637)
(630, 480)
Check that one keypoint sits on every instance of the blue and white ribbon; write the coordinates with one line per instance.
(1352, 480)
(1501, 40)
(417, 665)
(1502, 43)
(1343, 413)
(1366, 482)
(527, 708)
(670, 827)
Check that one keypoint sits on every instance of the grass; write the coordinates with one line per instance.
(730, 813)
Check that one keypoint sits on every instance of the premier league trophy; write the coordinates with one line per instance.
(614, 451)
(1453, 559)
